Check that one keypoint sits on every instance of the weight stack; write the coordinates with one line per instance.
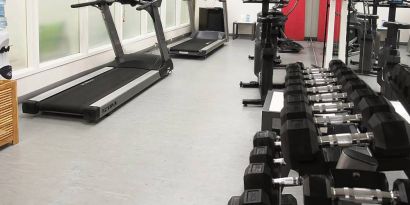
(8, 112)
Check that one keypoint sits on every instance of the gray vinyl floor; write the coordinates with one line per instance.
(185, 141)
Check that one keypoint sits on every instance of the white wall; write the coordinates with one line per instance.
(236, 10)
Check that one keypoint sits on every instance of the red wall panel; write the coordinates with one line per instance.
(322, 20)
(295, 25)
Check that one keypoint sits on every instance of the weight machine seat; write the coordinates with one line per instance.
(396, 25)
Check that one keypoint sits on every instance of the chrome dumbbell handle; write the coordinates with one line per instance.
(320, 81)
(317, 75)
(334, 107)
(367, 196)
(327, 97)
(337, 119)
(346, 140)
(315, 70)
(288, 181)
(324, 89)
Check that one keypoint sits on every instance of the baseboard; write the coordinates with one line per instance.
(310, 38)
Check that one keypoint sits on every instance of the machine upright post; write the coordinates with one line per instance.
(225, 8)
(112, 32)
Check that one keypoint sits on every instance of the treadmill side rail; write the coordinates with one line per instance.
(109, 103)
(69, 85)
(211, 47)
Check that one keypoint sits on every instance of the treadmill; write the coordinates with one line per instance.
(202, 43)
(99, 93)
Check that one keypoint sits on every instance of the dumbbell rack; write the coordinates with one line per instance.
(270, 159)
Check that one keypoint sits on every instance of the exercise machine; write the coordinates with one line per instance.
(285, 44)
(266, 57)
(389, 56)
(99, 93)
(202, 43)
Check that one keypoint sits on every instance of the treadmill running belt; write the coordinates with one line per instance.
(74, 100)
(193, 45)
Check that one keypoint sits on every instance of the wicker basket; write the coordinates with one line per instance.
(8, 113)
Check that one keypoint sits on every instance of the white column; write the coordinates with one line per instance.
(330, 33)
(343, 30)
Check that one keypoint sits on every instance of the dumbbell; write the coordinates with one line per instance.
(322, 97)
(355, 97)
(264, 155)
(259, 197)
(301, 110)
(389, 137)
(269, 139)
(258, 176)
(300, 68)
(373, 104)
(336, 71)
(334, 65)
(357, 94)
(251, 197)
(300, 75)
(317, 189)
(311, 87)
(295, 72)
(328, 84)
(366, 107)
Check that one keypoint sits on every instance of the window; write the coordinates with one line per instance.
(17, 27)
(184, 12)
(131, 22)
(170, 13)
(97, 32)
(59, 35)
(150, 24)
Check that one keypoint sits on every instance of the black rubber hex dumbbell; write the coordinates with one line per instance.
(372, 104)
(366, 108)
(301, 110)
(355, 97)
(264, 155)
(318, 189)
(251, 197)
(389, 136)
(269, 139)
(258, 176)
(322, 97)
(259, 197)
(357, 94)
(327, 85)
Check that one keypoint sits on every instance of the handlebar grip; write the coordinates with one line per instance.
(91, 3)
(145, 4)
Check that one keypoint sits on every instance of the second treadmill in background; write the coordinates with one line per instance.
(211, 34)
